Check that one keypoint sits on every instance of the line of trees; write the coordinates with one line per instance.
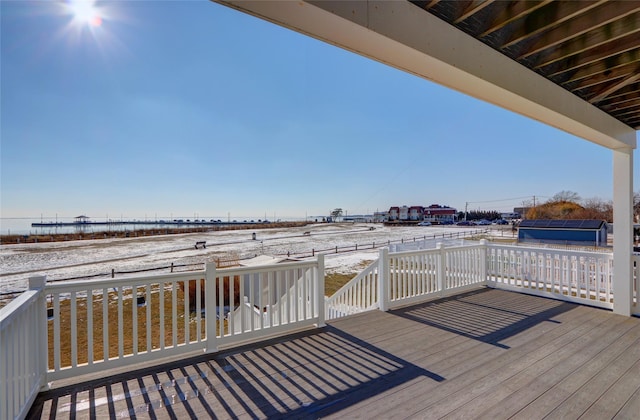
(563, 205)
(569, 205)
(480, 214)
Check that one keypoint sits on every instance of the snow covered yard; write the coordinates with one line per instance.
(63, 260)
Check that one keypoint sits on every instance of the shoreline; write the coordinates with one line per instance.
(137, 233)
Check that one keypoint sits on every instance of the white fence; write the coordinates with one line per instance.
(265, 301)
(582, 277)
(67, 329)
(22, 366)
(103, 324)
(358, 295)
(403, 278)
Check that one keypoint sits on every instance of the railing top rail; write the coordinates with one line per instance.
(125, 281)
(604, 253)
(17, 305)
(433, 250)
(266, 268)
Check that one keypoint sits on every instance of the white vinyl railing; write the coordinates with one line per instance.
(402, 278)
(62, 330)
(418, 275)
(22, 365)
(405, 278)
(265, 301)
(103, 324)
(358, 295)
(65, 329)
(582, 277)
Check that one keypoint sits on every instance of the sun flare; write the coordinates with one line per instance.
(85, 13)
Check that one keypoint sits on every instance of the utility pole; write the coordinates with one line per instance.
(466, 204)
(534, 207)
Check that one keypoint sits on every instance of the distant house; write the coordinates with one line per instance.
(394, 214)
(416, 213)
(404, 213)
(433, 213)
(569, 232)
(439, 214)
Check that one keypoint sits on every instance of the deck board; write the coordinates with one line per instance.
(482, 354)
(467, 379)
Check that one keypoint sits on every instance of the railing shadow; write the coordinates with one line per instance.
(304, 375)
(297, 376)
(486, 315)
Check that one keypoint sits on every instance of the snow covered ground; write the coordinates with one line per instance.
(63, 260)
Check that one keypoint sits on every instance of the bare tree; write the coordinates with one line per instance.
(565, 196)
(596, 208)
(335, 213)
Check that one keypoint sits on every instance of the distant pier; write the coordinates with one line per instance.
(172, 223)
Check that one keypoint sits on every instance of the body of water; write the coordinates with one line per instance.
(24, 225)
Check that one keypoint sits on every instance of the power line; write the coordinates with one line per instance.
(506, 199)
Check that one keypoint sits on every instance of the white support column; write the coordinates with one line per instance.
(623, 230)
(210, 291)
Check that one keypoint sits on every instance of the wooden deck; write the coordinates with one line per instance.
(484, 354)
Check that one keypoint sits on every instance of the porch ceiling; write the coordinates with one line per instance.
(590, 48)
(574, 65)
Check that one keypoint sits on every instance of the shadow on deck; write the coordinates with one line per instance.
(460, 356)
(485, 316)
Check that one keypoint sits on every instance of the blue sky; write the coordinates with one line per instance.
(190, 108)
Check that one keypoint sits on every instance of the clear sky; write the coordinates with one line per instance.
(190, 108)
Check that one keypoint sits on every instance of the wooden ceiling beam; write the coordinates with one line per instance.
(512, 13)
(608, 56)
(595, 78)
(624, 106)
(628, 94)
(554, 14)
(471, 9)
(602, 24)
(591, 40)
(628, 111)
(615, 87)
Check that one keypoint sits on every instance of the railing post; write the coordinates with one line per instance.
(483, 260)
(210, 291)
(442, 269)
(383, 280)
(320, 291)
(40, 329)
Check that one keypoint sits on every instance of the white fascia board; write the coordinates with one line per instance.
(400, 34)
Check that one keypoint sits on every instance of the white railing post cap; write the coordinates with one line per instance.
(37, 282)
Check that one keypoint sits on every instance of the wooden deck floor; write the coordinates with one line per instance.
(485, 354)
